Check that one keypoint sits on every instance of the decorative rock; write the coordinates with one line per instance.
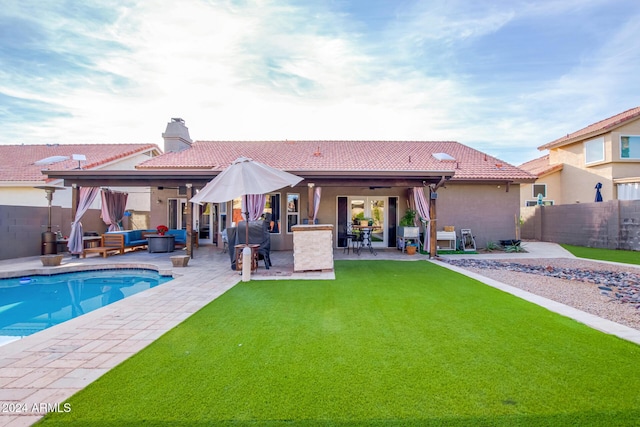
(51, 260)
(624, 285)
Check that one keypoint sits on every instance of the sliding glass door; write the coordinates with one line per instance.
(375, 210)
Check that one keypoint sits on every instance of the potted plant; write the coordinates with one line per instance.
(409, 218)
(161, 229)
(407, 230)
(407, 227)
(412, 248)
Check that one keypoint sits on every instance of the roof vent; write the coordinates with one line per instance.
(443, 156)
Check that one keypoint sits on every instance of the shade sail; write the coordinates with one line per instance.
(244, 176)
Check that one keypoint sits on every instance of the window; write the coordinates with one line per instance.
(535, 203)
(594, 151)
(293, 210)
(539, 189)
(223, 216)
(272, 212)
(177, 215)
(629, 191)
(630, 147)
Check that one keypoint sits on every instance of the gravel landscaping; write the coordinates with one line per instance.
(606, 290)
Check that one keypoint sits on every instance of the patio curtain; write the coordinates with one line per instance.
(113, 207)
(421, 205)
(86, 197)
(317, 195)
(256, 204)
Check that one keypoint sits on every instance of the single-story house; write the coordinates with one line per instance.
(606, 152)
(358, 179)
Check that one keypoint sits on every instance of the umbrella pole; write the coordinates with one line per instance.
(246, 218)
(247, 261)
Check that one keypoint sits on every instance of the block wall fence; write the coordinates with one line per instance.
(614, 224)
(21, 228)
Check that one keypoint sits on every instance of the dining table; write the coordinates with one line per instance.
(366, 231)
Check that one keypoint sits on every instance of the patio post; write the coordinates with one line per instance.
(75, 193)
(189, 241)
(433, 196)
(433, 243)
(310, 201)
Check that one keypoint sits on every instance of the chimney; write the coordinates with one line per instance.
(176, 136)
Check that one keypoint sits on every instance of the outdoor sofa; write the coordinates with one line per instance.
(119, 241)
(135, 238)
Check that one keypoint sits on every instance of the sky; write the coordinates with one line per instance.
(503, 77)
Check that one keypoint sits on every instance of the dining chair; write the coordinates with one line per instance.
(350, 239)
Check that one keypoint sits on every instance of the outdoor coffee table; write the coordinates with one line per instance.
(161, 243)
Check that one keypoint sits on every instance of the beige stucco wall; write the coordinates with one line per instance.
(554, 189)
(488, 210)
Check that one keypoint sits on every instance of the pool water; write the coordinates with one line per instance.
(33, 303)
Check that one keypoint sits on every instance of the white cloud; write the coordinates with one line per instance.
(267, 70)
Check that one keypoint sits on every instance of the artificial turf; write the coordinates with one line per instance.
(627, 257)
(386, 343)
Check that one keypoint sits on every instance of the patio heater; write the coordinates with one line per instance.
(49, 239)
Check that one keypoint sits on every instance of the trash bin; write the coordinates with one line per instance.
(49, 243)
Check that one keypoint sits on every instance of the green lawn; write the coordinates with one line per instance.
(386, 343)
(627, 257)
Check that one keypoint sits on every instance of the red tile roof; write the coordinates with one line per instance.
(335, 156)
(540, 166)
(18, 161)
(595, 129)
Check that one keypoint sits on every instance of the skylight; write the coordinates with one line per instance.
(443, 156)
(51, 159)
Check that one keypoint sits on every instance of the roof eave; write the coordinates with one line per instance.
(561, 142)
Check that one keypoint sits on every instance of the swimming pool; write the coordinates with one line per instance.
(31, 304)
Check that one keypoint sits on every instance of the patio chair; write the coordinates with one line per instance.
(467, 240)
(225, 241)
(350, 238)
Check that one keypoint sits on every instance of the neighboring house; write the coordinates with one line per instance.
(547, 184)
(25, 207)
(358, 178)
(606, 152)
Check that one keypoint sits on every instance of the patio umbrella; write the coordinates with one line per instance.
(243, 177)
(598, 194)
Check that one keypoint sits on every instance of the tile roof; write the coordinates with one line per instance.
(595, 129)
(540, 166)
(18, 161)
(344, 156)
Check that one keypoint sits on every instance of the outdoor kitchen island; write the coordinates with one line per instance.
(312, 247)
